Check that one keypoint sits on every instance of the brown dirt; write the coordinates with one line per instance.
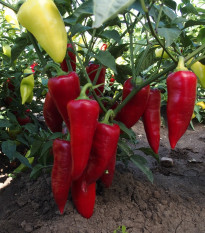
(175, 203)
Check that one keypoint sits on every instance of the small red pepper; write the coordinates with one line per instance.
(92, 70)
(83, 114)
(181, 88)
(134, 109)
(103, 47)
(61, 172)
(108, 174)
(52, 117)
(63, 89)
(152, 119)
(24, 119)
(103, 148)
(84, 199)
(72, 58)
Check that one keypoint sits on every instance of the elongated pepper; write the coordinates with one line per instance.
(83, 115)
(181, 88)
(61, 172)
(152, 120)
(103, 148)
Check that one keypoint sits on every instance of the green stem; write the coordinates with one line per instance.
(35, 45)
(90, 47)
(144, 8)
(9, 6)
(108, 115)
(158, 40)
(145, 83)
(180, 65)
(195, 60)
(159, 16)
(80, 61)
(83, 91)
(56, 67)
(195, 52)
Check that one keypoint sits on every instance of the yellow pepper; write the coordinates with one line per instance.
(7, 50)
(43, 20)
(199, 69)
(158, 53)
(201, 104)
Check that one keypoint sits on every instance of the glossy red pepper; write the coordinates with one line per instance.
(61, 172)
(83, 114)
(52, 117)
(92, 71)
(181, 88)
(84, 199)
(152, 119)
(108, 174)
(72, 58)
(103, 149)
(134, 109)
(63, 89)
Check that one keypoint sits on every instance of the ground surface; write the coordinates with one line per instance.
(175, 203)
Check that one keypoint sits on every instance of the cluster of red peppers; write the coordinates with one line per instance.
(90, 153)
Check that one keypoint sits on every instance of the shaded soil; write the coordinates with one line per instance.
(174, 203)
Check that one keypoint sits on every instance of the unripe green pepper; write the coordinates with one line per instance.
(26, 87)
(43, 20)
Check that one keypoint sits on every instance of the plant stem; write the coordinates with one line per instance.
(157, 38)
(195, 52)
(90, 47)
(9, 6)
(35, 45)
(159, 16)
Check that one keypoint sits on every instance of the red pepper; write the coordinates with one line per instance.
(63, 89)
(104, 47)
(92, 71)
(72, 57)
(108, 175)
(23, 120)
(134, 109)
(52, 117)
(84, 199)
(181, 88)
(103, 149)
(152, 120)
(83, 114)
(61, 172)
(33, 67)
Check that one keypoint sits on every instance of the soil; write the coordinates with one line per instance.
(174, 203)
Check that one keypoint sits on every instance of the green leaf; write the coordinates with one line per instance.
(106, 9)
(36, 171)
(4, 123)
(141, 163)
(106, 59)
(123, 146)
(171, 4)
(46, 146)
(123, 71)
(21, 139)
(201, 36)
(19, 46)
(191, 23)
(78, 28)
(170, 13)
(188, 9)
(31, 128)
(35, 148)
(22, 159)
(149, 151)
(112, 34)
(170, 35)
(9, 149)
(117, 51)
(55, 135)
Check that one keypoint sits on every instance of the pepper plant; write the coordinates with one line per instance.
(79, 46)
